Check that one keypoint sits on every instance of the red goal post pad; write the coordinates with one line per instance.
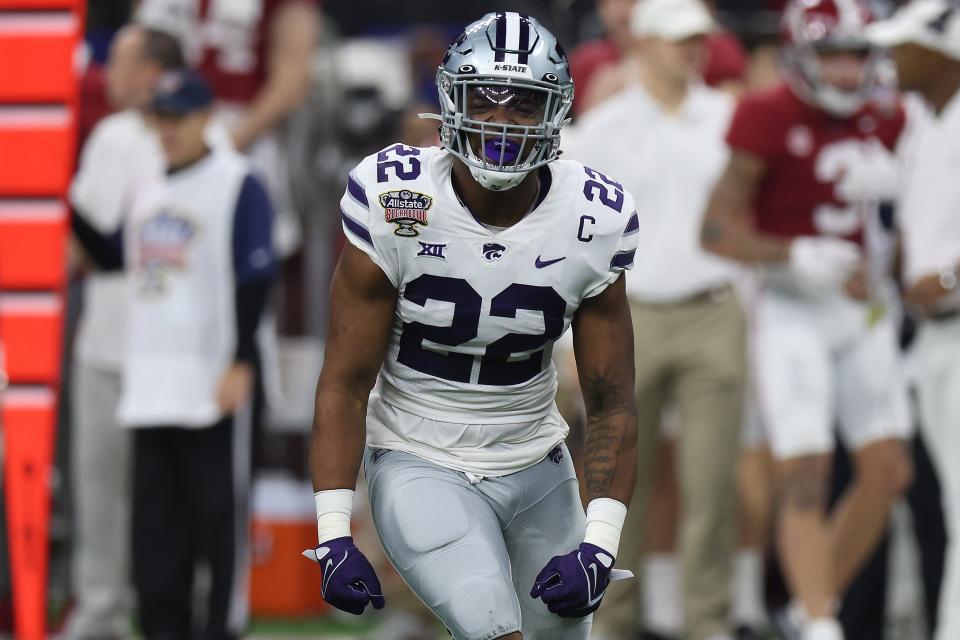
(29, 421)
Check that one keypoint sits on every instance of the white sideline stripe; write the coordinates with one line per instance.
(28, 397)
(32, 24)
(30, 303)
(32, 211)
(45, 116)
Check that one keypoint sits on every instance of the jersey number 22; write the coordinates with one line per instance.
(496, 366)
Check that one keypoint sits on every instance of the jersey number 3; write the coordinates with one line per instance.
(496, 365)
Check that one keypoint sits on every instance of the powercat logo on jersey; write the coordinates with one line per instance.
(493, 251)
(406, 209)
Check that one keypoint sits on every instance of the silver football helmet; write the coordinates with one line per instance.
(504, 61)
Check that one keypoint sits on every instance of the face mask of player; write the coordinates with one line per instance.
(841, 79)
(503, 132)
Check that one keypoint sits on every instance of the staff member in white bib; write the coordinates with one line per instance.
(664, 136)
(198, 255)
(925, 36)
(119, 157)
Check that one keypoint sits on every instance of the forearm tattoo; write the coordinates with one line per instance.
(609, 412)
(602, 395)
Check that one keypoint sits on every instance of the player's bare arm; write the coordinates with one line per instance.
(822, 262)
(727, 229)
(293, 34)
(603, 343)
(362, 303)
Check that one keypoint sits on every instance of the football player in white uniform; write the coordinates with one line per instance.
(465, 264)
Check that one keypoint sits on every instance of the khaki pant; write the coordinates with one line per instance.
(100, 465)
(692, 356)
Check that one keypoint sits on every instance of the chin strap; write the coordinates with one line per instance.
(496, 180)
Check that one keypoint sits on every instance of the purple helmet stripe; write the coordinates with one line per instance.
(500, 45)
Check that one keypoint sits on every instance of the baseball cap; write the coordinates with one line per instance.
(670, 19)
(180, 92)
(932, 24)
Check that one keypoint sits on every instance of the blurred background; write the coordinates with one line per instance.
(371, 69)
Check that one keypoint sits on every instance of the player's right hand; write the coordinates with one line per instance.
(348, 582)
(823, 263)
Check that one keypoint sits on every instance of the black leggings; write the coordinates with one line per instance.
(190, 491)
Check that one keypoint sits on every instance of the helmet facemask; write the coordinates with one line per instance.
(505, 91)
(500, 154)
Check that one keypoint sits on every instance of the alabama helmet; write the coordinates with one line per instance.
(811, 27)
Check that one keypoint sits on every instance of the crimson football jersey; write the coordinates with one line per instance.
(227, 40)
(235, 56)
(806, 151)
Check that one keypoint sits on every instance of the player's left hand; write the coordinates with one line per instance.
(572, 585)
(236, 387)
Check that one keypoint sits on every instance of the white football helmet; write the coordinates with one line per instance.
(810, 27)
(503, 60)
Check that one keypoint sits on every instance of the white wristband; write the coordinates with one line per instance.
(333, 513)
(605, 518)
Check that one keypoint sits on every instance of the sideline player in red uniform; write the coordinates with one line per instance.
(824, 355)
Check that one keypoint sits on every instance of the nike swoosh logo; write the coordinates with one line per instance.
(540, 264)
(592, 597)
(328, 570)
(327, 574)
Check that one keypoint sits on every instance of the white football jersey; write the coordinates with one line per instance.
(478, 311)
(180, 294)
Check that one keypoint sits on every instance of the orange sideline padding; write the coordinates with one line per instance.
(37, 146)
(28, 429)
(36, 59)
(32, 239)
(32, 327)
(37, 152)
